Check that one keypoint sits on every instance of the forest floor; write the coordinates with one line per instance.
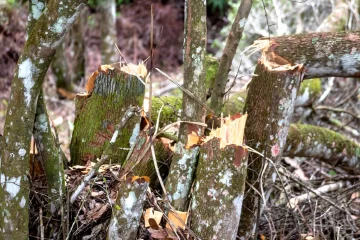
(133, 39)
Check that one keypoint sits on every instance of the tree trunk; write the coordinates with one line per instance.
(183, 165)
(38, 52)
(322, 54)
(128, 210)
(333, 148)
(270, 111)
(219, 190)
(97, 114)
(107, 12)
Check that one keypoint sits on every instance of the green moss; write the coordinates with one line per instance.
(235, 104)
(170, 112)
(99, 114)
(313, 86)
(211, 66)
(311, 141)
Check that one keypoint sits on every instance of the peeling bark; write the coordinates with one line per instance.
(43, 40)
(270, 105)
(184, 161)
(219, 191)
(232, 43)
(128, 210)
(96, 116)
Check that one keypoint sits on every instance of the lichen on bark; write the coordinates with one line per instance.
(269, 115)
(184, 161)
(218, 191)
(46, 35)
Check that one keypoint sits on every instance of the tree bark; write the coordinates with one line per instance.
(322, 54)
(128, 210)
(270, 105)
(219, 190)
(43, 40)
(96, 116)
(184, 161)
(329, 146)
(107, 12)
(232, 43)
(51, 156)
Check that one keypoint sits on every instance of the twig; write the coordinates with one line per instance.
(348, 97)
(41, 224)
(337, 110)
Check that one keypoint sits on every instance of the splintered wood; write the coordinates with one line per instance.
(230, 132)
(131, 69)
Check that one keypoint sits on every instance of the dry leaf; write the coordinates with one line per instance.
(140, 179)
(100, 212)
(174, 219)
(154, 216)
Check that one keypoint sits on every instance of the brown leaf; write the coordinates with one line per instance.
(100, 212)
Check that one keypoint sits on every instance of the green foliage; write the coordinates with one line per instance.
(218, 5)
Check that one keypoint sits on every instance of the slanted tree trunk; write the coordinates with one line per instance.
(232, 43)
(271, 98)
(51, 156)
(38, 52)
(183, 164)
(114, 91)
(317, 142)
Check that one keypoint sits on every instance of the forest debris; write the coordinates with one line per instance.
(152, 215)
(295, 201)
(177, 219)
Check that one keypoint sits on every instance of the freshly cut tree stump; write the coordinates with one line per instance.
(220, 184)
(113, 92)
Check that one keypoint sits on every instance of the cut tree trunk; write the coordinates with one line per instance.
(322, 54)
(270, 110)
(218, 190)
(114, 91)
(183, 164)
(272, 93)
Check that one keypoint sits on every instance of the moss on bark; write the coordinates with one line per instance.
(97, 115)
(317, 142)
